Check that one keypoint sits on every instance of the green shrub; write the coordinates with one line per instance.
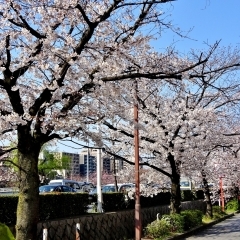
(232, 205)
(5, 233)
(192, 218)
(176, 221)
(158, 229)
(168, 224)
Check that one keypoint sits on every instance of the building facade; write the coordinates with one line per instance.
(85, 162)
(88, 162)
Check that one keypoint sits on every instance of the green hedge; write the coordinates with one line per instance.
(111, 201)
(114, 202)
(199, 194)
(162, 198)
(188, 195)
(120, 201)
(8, 209)
(62, 205)
(76, 204)
(52, 205)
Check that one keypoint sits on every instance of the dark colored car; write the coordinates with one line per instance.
(55, 188)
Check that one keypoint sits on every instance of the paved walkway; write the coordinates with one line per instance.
(229, 229)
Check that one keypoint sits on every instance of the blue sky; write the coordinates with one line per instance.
(210, 21)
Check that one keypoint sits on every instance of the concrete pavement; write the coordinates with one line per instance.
(229, 229)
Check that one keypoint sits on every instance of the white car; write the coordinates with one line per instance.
(70, 183)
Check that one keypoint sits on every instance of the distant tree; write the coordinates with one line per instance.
(50, 163)
(55, 55)
(47, 167)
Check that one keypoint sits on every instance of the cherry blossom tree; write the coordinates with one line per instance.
(8, 177)
(62, 63)
(220, 160)
(181, 120)
(57, 57)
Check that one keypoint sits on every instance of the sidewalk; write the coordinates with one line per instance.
(227, 229)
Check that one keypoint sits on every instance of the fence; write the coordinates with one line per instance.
(104, 226)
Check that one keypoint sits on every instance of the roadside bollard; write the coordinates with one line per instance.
(78, 231)
(45, 233)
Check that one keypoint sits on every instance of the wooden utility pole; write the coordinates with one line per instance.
(138, 228)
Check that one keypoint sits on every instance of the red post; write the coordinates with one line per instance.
(138, 228)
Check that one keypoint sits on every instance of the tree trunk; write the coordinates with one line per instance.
(175, 204)
(28, 202)
(208, 204)
(207, 196)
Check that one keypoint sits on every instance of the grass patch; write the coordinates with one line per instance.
(207, 220)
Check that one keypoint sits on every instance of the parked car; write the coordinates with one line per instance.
(55, 188)
(86, 186)
(186, 183)
(67, 182)
(122, 187)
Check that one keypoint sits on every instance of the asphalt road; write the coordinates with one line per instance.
(229, 229)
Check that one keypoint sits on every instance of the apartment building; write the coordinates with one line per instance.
(73, 167)
(88, 162)
(85, 162)
(91, 155)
